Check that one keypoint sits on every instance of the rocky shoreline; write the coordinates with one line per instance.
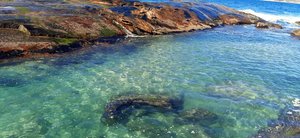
(40, 27)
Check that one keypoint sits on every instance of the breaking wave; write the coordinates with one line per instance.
(274, 18)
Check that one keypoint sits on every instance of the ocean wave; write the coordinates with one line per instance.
(285, 1)
(274, 18)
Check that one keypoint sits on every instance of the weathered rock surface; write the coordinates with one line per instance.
(296, 33)
(47, 25)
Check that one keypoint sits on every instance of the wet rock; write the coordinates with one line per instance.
(197, 116)
(298, 22)
(296, 33)
(261, 25)
(119, 109)
(280, 130)
(267, 25)
(201, 118)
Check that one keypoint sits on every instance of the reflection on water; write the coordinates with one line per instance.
(243, 75)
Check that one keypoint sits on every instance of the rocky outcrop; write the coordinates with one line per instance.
(296, 33)
(298, 22)
(30, 27)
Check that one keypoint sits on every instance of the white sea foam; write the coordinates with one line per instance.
(274, 18)
(296, 102)
(285, 1)
(7, 8)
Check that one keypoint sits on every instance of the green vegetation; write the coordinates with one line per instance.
(64, 41)
(107, 32)
(23, 10)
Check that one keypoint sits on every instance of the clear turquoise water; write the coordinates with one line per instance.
(242, 74)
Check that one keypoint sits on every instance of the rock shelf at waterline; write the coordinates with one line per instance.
(29, 29)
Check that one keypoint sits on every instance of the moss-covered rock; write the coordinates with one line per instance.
(106, 32)
(64, 41)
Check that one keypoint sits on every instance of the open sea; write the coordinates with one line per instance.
(246, 76)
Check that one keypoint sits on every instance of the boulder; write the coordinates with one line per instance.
(298, 22)
(296, 33)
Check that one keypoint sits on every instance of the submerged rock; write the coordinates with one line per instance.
(44, 124)
(287, 126)
(150, 127)
(162, 116)
(197, 116)
(296, 33)
(119, 109)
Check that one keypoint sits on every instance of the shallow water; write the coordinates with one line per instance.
(242, 74)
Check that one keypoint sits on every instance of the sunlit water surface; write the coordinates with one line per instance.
(242, 74)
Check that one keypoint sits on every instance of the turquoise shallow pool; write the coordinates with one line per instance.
(242, 74)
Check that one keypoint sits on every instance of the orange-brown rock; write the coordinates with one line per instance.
(63, 25)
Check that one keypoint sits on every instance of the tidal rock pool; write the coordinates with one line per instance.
(236, 80)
